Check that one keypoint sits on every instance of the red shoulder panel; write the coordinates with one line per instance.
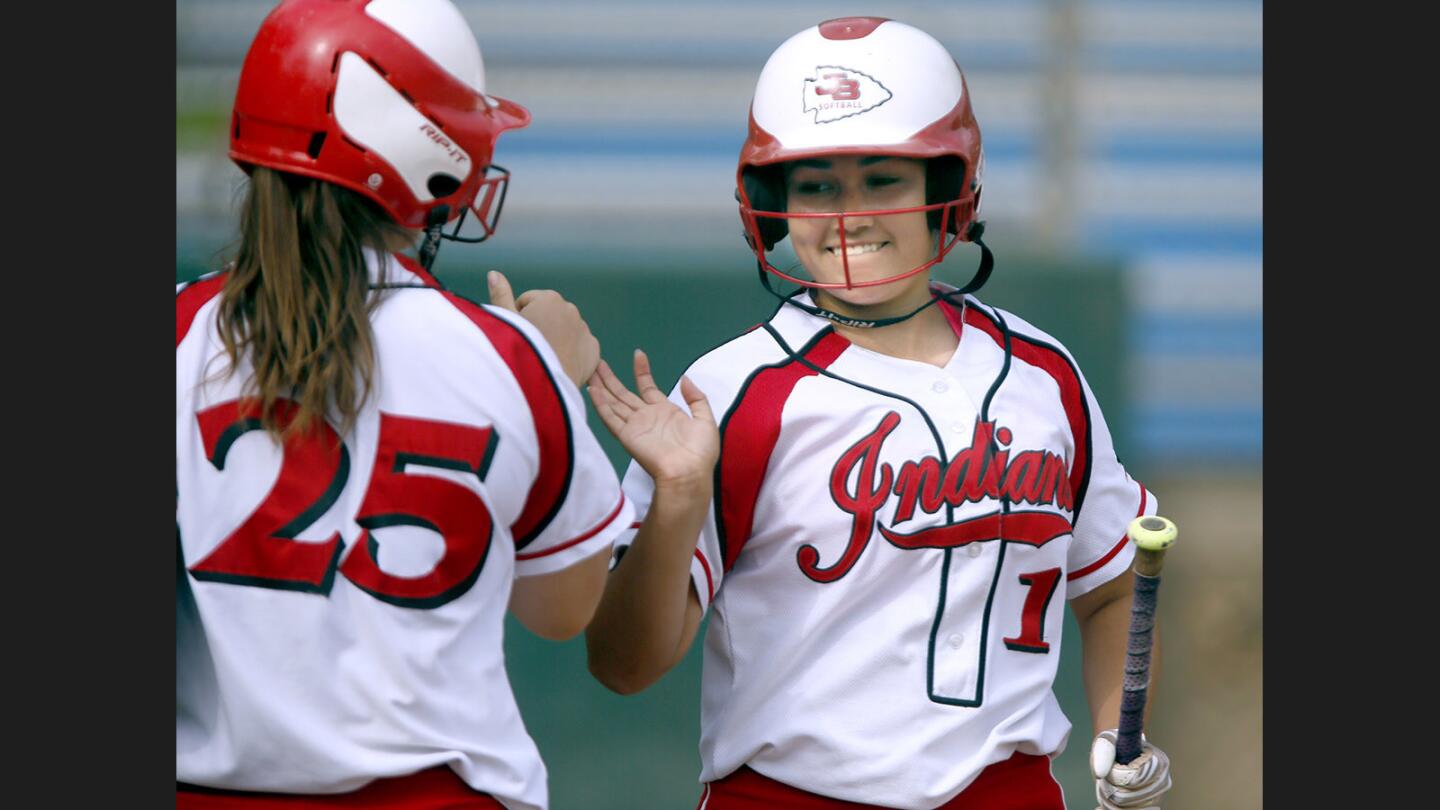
(1072, 396)
(189, 301)
(749, 435)
(552, 421)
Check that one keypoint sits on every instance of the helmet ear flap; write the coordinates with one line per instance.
(765, 186)
(944, 180)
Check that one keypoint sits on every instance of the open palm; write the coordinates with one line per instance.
(671, 445)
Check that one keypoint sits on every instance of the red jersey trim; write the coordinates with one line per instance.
(1072, 395)
(547, 407)
(1098, 564)
(582, 538)
(1022, 780)
(953, 316)
(709, 581)
(189, 301)
(414, 267)
(748, 435)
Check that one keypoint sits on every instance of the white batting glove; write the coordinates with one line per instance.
(1136, 786)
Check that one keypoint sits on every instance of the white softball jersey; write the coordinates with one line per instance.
(340, 599)
(883, 551)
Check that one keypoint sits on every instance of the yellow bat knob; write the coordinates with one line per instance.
(1153, 533)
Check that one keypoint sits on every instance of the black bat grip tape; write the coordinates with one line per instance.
(1137, 669)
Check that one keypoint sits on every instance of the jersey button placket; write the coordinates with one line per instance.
(955, 654)
(947, 395)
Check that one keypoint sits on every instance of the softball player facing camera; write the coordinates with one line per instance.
(885, 495)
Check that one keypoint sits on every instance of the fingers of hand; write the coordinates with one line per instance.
(1137, 772)
(1137, 784)
(695, 398)
(1117, 798)
(544, 298)
(500, 293)
(559, 320)
(591, 356)
(644, 381)
(605, 406)
(1102, 754)
(616, 389)
(614, 412)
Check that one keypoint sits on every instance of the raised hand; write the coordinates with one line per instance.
(557, 319)
(675, 448)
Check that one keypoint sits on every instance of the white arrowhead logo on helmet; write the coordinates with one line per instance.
(840, 92)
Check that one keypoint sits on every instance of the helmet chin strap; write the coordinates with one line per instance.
(434, 222)
(982, 274)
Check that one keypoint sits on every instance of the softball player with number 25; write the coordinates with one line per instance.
(885, 495)
(370, 469)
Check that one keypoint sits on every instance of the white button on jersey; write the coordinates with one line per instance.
(973, 549)
(940, 387)
(956, 640)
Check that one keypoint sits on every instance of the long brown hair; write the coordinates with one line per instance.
(297, 300)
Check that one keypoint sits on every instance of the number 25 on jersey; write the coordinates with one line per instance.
(315, 466)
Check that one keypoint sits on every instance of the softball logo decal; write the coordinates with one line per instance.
(840, 92)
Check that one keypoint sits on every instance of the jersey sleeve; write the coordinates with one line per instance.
(1108, 500)
(576, 508)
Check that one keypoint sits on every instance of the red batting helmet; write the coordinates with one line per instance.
(384, 97)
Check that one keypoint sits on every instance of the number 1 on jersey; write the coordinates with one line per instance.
(1032, 618)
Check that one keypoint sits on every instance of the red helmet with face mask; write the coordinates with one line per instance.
(861, 86)
(384, 97)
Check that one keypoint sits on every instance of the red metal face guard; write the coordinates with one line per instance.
(489, 199)
(751, 217)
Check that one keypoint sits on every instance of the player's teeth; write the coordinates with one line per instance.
(858, 250)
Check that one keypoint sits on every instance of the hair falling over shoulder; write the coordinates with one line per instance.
(297, 300)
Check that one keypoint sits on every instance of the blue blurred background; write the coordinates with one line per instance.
(1123, 184)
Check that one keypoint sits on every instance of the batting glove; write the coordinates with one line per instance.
(1136, 786)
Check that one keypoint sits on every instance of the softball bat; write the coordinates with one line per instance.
(1153, 536)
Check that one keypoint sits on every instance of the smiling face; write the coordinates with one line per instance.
(876, 247)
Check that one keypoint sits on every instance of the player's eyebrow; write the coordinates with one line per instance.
(821, 163)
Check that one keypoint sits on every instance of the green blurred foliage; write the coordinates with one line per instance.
(201, 129)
